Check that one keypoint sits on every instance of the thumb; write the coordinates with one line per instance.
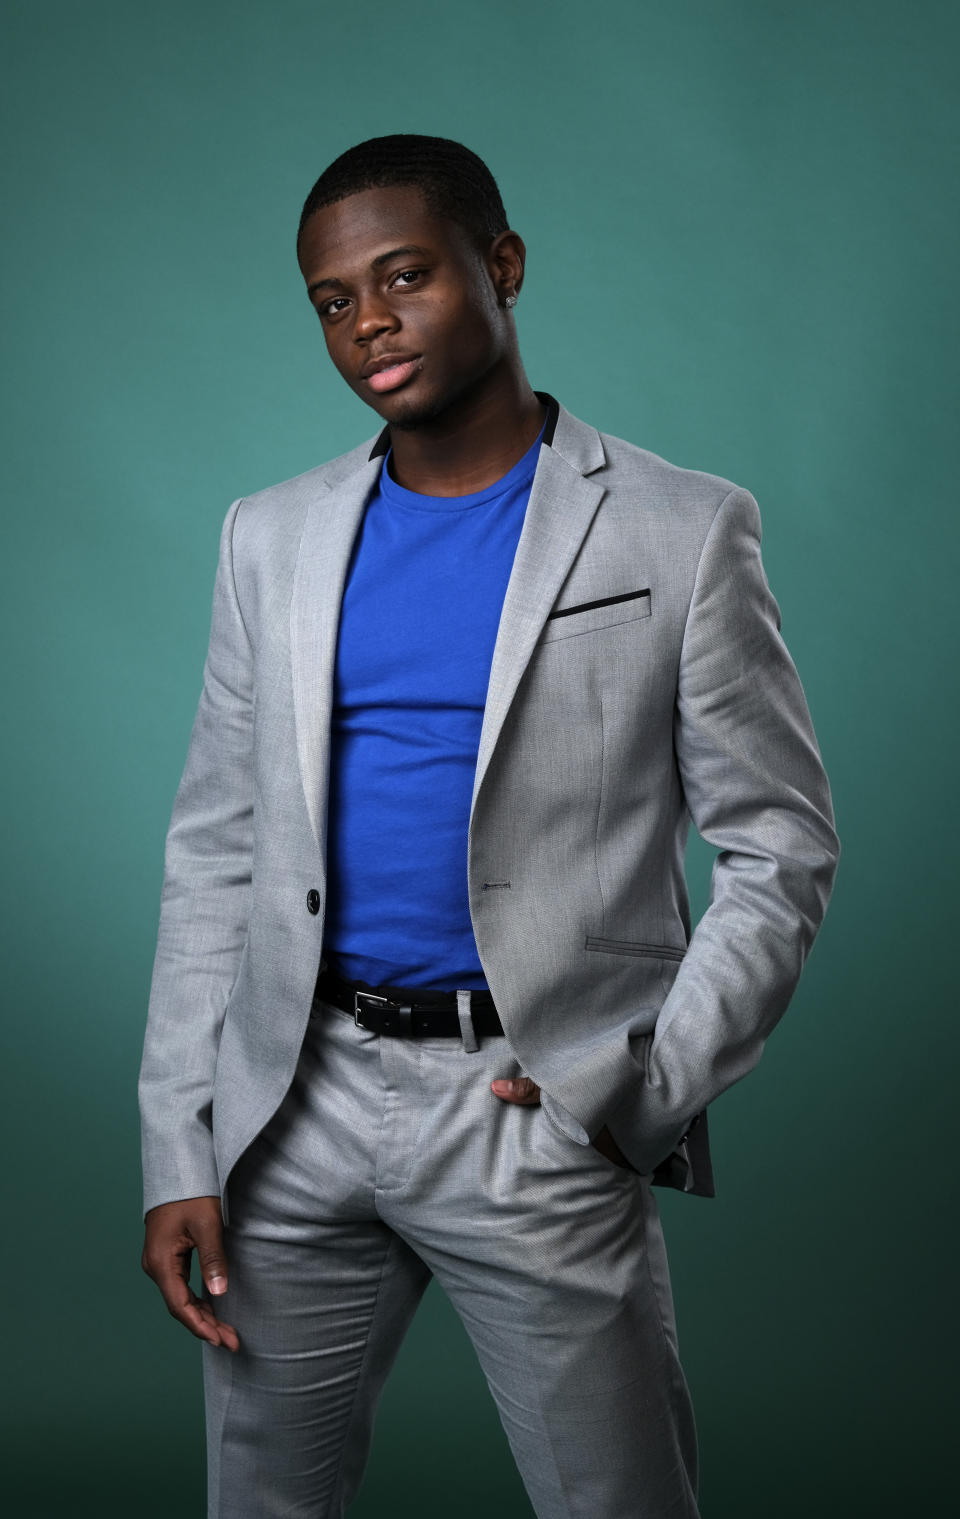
(520, 1089)
(211, 1256)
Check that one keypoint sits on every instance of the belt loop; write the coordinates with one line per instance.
(467, 1032)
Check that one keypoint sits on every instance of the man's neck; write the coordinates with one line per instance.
(472, 445)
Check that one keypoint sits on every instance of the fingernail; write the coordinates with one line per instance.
(217, 1284)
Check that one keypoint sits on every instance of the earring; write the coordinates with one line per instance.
(510, 301)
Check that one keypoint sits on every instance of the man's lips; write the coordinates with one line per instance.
(392, 372)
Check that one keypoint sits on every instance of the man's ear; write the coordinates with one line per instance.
(506, 260)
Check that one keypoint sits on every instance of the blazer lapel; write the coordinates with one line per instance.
(560, 509)
(332, 520)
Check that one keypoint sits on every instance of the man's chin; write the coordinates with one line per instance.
(407, 414)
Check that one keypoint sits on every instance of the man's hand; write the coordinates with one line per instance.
(174, 1231)
(520, 1090)
(525, 1091)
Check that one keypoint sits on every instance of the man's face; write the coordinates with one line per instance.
(408, 306)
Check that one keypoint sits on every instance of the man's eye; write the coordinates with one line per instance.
(330, 308)
(409, 274)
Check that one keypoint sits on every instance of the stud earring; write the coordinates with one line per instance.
(511, 301)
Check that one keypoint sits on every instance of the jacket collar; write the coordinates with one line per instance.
(572, 439)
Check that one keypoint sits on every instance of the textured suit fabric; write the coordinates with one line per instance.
(604, 731)
(389, 1161)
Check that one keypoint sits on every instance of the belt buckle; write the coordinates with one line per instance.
(368, 997)
(404, 1017)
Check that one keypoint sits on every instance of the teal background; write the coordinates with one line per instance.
(741, 231)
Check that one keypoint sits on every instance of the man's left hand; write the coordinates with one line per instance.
(525, 1091)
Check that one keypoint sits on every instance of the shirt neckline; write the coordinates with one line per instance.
(398, 495)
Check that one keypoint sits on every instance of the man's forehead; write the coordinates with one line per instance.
(388, 212)
(366, 225)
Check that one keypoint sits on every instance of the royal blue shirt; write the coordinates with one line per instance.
(421, 606)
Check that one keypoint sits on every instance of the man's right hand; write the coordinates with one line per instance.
(174, 1231)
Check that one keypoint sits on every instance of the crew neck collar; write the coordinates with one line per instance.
(518, 475)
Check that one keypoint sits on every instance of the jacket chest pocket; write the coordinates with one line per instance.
(593, 616)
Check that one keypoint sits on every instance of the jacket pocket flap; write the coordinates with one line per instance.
(634, 947)
(590, 616)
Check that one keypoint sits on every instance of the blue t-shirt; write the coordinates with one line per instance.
(419, 620)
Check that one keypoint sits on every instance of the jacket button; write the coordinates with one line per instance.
(313, 901)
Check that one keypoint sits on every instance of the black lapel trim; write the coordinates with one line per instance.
(382, 444)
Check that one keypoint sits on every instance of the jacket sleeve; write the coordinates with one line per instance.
(756, 789)
(204, 910)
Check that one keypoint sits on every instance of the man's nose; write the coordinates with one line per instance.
(373, 316)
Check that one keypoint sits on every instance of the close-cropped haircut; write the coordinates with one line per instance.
(455, 183)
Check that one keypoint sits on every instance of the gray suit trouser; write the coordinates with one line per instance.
(389, 1161)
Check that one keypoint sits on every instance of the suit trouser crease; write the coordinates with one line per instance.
(389, 1161)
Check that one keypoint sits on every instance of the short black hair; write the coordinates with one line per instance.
(455, 183)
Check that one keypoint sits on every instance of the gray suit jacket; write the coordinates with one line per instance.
(639, 678)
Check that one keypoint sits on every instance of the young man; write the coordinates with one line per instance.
(426, 999)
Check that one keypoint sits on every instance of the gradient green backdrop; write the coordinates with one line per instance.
(741, 235)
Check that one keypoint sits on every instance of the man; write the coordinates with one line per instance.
(426, 999)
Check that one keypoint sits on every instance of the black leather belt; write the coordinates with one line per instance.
(415, 1012)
